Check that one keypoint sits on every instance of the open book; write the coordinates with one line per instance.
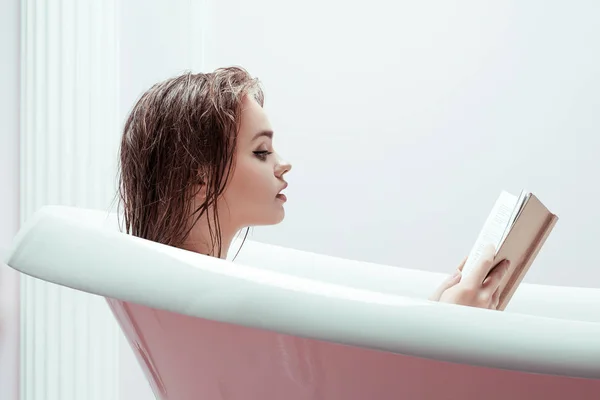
(518, 227)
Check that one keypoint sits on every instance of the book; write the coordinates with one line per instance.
(518, 227)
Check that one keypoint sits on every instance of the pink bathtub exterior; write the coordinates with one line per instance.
(187, 358)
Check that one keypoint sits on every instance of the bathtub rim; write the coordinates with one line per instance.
(487, 350)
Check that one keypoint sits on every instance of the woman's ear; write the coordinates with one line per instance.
(201, 183)
(201, 191)
(198, 186)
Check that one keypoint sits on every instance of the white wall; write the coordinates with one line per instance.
(405, 120)
(9, 196)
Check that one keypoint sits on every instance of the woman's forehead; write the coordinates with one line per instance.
(254, 121)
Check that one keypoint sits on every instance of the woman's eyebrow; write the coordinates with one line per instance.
(268, 134)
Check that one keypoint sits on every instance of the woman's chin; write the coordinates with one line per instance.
(277, 219)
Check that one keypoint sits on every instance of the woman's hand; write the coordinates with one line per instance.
(475, 290)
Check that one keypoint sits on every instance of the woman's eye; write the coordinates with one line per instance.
(262, 154)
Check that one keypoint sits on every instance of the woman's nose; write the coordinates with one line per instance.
(282, 167)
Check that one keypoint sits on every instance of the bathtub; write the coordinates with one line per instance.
(279, 323)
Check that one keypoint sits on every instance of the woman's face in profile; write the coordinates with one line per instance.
(253, 194)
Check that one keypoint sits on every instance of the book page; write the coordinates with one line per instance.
(495, 228)
(523, 198)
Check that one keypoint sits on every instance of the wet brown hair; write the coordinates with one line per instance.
(181, 135)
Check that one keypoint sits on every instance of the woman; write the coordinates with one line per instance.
(198, 165)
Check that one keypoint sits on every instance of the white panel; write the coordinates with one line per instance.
(69, 139)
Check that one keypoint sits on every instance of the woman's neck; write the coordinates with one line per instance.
(199, 240)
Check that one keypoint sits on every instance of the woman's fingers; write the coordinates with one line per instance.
(462, 264)
(492, 282)
(495, 300)
(483, 266)
(446, 284)
(480, 288)
(495, 276)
